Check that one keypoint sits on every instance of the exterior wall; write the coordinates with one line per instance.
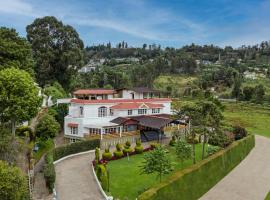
(127, 94)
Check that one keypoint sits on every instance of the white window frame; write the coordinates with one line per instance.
(130, 112)
(142, 111)
(155, 110)
(102, 111)
(74, 130)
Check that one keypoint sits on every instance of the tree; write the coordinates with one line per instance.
(55, 91)
(57, 49)
(13, 183)
(19, 100)
(259, 92)
(248, 93)
(236, 91)
(47, 127)
(192, 113)
(15, 51)
(183, 150)
(156, 161)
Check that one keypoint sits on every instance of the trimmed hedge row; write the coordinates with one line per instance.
(73, 148)
(193, 182)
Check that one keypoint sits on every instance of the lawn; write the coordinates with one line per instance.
(268, 196)
(255, 118)
(126, 182)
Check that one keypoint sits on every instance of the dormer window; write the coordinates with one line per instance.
(129, 112)
(142, 111)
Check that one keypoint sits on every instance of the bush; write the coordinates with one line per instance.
(76, 147)
(47, 127)
(197, 178)
(127, 148)
(219, 139)
(102, 176)
(107, 155)
(49, 175)
(97, 155)
(239, 132)
(49, 171)
(154, 145)
(138, 147)
(172, 141)
(25, 131)
(118, 154)
(212, 149)
(190, 140)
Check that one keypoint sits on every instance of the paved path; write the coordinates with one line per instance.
(250, 180)
(75, 179)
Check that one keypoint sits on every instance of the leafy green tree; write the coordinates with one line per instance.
(55, 91)
(13, 183)
(47, 127)
(248, 93)
(236, 91)
(15, 51)
(19, 100)
(156, 161)
(183, 150)
(57, 49)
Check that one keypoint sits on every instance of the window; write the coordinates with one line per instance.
(142, 111)
(129, 112)
(102, 112)
(81, 110)
(72, 140)
(111, 112)
(156, 110)
(74, 130)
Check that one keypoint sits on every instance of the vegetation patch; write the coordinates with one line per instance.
(193, 182)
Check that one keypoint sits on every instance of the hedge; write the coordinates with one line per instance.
(49, 171)
(73, 148)
(193, 182)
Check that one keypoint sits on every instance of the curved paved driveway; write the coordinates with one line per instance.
(75, 179)
(250, 180)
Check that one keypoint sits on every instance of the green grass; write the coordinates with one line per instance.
(268, 196)
(126, 180)
(255, 118)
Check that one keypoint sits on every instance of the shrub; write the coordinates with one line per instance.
(138, 147)
(118, 147)
(97, 155)
(127, 148)
(102, 176)
(154, 145)
(49, 171)
(183, 150)
(239, 132)
(172, 141)
(25, 131)
(212, 149)
(73, 148)
(47, 127)
(219, 139)
(107, 155)
(118, 154)
(49, 175)
(190, 140)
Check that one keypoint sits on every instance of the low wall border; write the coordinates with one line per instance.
(72, 155)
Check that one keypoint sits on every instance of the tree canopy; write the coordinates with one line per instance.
(47, 127)
(57, 49)
(15, 51)
(19, 100)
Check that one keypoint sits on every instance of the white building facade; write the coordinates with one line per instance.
(99, 112)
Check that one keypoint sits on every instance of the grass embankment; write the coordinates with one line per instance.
(268, 196)
(255, 118)
(126, 180)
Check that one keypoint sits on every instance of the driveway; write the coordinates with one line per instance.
(75, 179)
(250, 180)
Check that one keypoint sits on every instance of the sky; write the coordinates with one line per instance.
(171, 23)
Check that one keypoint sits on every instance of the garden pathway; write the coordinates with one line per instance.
(250, 180)
(75, 179)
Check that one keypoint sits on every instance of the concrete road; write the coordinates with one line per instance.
(250, 180)
(75, 179)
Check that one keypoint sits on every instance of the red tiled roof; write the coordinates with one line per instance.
(135, 105)
(83, 101)
(94, 91)
(72, 125)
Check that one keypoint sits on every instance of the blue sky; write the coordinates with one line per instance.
(166, 22)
